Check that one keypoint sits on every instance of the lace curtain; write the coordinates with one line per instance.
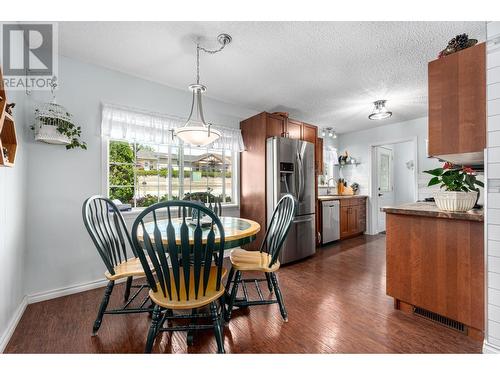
(130, 124)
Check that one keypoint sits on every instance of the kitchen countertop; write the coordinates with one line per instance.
(335, 197)
(431, 210)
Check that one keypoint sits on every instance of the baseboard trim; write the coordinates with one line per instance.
(490, 349)
(11, 327)
(66, 291)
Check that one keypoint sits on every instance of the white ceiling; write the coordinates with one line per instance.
(325, 73)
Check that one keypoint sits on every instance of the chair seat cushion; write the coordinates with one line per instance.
(244, 260)
(181, 301)
(131, 267)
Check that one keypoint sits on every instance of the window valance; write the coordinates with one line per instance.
(142, 126)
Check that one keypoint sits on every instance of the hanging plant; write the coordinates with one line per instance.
(67, 129)
(55, 125)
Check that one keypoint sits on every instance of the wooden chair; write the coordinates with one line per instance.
(109, 233)
(207, 199)
(192, 280)
(265, 260)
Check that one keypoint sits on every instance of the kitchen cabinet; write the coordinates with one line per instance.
(293, 129)
(457, 106)
(275, 126)
(319, 156)
(352, 216)
(309, 133)
(255, 130)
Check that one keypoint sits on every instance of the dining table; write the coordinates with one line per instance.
(237, 231)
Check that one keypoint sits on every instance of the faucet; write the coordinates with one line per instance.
(328, 190)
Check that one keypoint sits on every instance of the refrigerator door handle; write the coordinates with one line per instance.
(297, 177)
(302, 220)
(300, 191)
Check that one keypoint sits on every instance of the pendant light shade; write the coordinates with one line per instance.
(330, 132)
(380, 112)
(196, 131)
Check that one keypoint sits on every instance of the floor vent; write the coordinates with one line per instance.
(447, 322)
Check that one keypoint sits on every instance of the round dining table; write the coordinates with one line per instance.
(237, 231)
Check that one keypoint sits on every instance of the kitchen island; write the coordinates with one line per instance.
(435, 264)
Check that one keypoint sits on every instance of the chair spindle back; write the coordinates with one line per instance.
(108, 231)
(207, 199)
(278, 228)
(154, 238)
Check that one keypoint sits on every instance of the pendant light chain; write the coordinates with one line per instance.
(198, 63)
(210, 51)
(200, 134)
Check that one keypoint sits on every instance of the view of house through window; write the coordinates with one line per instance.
(143, 174)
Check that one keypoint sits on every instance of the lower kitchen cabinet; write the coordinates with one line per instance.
(352, 217)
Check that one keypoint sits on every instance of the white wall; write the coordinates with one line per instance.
(358, 145)
(404, 186)
(13, 229)
(60, 253)
(492, 339)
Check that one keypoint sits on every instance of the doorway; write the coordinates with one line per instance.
(394, 178)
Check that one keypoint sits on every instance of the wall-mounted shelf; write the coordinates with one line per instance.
(8, 139)
(346, 164)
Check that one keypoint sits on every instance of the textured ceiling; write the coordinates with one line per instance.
(325, 73)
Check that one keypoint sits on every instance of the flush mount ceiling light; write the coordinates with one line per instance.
(196, 131)
(379, 111)
(331, 133)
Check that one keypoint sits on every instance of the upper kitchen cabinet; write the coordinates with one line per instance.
(319, 156)
(309, 133)
(457, 106)
(275, 125)
(293, 129)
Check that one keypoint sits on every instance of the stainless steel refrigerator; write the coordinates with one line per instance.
(290, 169)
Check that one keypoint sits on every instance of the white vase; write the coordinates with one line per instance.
(457, 201)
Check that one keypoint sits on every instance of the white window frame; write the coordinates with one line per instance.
(105, 176)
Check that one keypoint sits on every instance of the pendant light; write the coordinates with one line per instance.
(380, 112)
(331, 133)
(196, 131)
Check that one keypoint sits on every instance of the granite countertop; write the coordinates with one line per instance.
(336, 197)
(430, 209)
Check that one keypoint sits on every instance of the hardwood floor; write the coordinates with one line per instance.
(336, 303)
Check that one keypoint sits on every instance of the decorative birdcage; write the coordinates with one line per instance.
(49, 118)
(55, 125)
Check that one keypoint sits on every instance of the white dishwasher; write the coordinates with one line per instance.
(330, 230)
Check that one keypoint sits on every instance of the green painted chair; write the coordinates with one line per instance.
(206, 198)
(109, 234)
(192, 280)
(265, 260)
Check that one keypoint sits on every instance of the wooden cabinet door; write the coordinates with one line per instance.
(293, 129)
(457, 102)
(319, 156)
(353, 223)
(362, 217)
(309, 133)
(344, 221)
(275, 126)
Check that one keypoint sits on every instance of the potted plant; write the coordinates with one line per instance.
(459, 187)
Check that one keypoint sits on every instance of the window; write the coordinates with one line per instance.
(143, 174)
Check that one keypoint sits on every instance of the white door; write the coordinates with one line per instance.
(385, 188)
